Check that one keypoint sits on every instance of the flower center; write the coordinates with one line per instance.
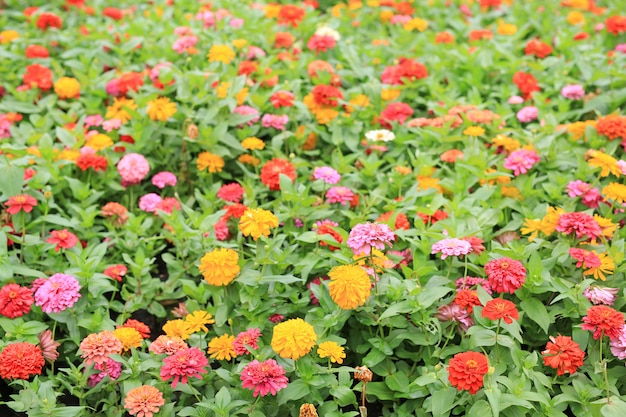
(504, 265)
(471, 364)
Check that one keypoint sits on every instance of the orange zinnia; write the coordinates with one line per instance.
(466, 371)
(499, 308)
(563, 354)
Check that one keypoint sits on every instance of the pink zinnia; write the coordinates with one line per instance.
(577, 188)
(453, 312)
(221, 229)
(527, 114)
(275, 121)
(618, 345)
(396, 112)
(244, 339)
(247, 111)
(469, 282)
(57, 293)
(580, 223)
(365, 236)
(598, 295)
(321, 43)
(185, 363)
(231, 192)
(163, 179)
(521, 161)
(452, 247)
(264, 378)
(342, 195)
(208, 18)
(167, 345)
(109, 368)
(184, 42)
(573, 92)
(112, 124)
(63, 239)
(326, 174)
(93, 120)
(586, 259)
(515, 100)
(150, 202)
(133, 168)
(505, 274)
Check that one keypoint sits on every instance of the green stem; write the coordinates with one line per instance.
(604, 371)
(23, 244)
(497, 333)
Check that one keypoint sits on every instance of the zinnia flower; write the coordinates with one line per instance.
(579, 223)
(213, 163)
(244, 339)
(116, 272)
(618, 345)
(142, 328)
(220, 266)
(67, 87)
(48, 345)
(563, 354)
(331, 350)
(164, 178)
(161, 109)
(178, 327)
(452, 247)
(221, 348)
(573, 91)
(505, 274)
(143, 401)
(603, 321)
(326, 174)
(266, 377)
(186, 363)
(130, 337)
(365, 236)
(97, 347)
(57, 293)
(221, 53)
(21, 360)
(133, 168)
(270, 173)
(341, 195)
(293, 338)
(499, 308)
(521, 161)
(110, 368)
(63, 239)
(231, 192)
(349, 286)
(598, 295)
(257, 223)
(467, 299)
(198, 320)
(116, 212)
(168, 345)
(467, 370)
(15, 301)
(20, 202)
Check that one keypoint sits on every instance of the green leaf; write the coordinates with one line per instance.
(443, 401)
(493, 395)
(344, 396)
(481, 408)
(537, 312)
(294, 391)
(401, 307)
(617, 408)
(12, 181)
(398, 381)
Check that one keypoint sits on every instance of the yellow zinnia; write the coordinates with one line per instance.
(99, 142)
(253, 143)
(129, 337)
(198, 320)
(331, 350)
(67, 87)
(293, 338)
(221, 53)
(8, 36)
(607, 266)
(117, 111)
(606, 162)
(212, 162)
(416, 23)
(221, 348)
(249, 160)
(257, 223)
(178, 328)
(161, 109)
(615, 191)
(220, 266)
(349, 286)
(474, 131)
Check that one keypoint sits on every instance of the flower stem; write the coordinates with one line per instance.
(604, 371)
(497, 333)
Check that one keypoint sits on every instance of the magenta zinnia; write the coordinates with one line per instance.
(264, 378)
(183, 364)
(365, 236)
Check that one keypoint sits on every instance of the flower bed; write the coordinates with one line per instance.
(334, 209)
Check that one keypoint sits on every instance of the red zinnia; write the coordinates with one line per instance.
(247, 67)
(21, 360)
(90, 160)
(234, 210)
(616, 25)
(499, 308)
(20, 202)
(396, 112)
(141, 328)
(326, 95)
(402, 222)
(563, 354)
(537, 48)
(38, 76)
(467, 370)
(290, 15)
(270, 173)
(113, 13)
(603, 320)
(467, 299)
(15, 301)
(36, 51)
(526, 83)
(49, 20)
(185, 363)
(116, 272)
(505, 274)
(64, 239)
(282, 99)
(231, 192)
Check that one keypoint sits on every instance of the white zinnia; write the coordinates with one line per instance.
(327, 31)
(382, 135)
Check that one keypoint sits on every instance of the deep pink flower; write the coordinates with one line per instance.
(527, 114)
(133, 168)
(264, 378)
(57, 293)
(452, 247)
(109, 368)
(342, 195)
(586, 259)
(63, 239)
(505, 274)
(469, 282)
(184, 363)
(248, 338)
(521, 161)
(580, 223)
(231, 192)
(365, 236)
(326, 174)
(275, 121)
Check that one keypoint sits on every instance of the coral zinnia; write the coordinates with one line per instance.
(21, 360)
(63, 239)
(20, 202)
(168, 345)
(221, 348)
(231, 192)
(331, 350)
(257, 223)
(220, 266)
(143, 401)
(580, 223)
(505, 274)
(466, 371)
(467, 299)
(293, 338)
(350, 286)
(266, 377)
(563, 354)
(499, 308)
(97, 347)
(270, 173)
(603, 320)
(15, 301)
(186, 363)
